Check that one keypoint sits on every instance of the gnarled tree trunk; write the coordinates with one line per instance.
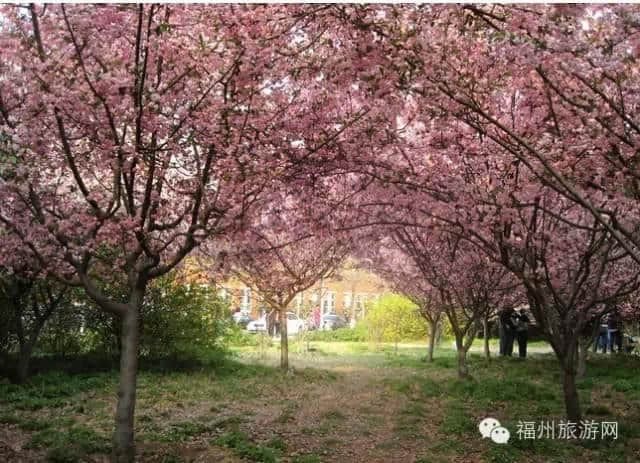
(463, 369)
(485, 328)
(581, 368)
(123, 435)
(24, 360)
(571, 399)
(568, 359)
(433, 327)
(284, 340)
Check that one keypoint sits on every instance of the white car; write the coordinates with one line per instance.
(332, 322)
(294, 324)
(257, 326)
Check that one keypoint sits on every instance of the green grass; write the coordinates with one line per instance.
(351, 393)
(51, 390)
(456, 421)
(334, 415)
(242, 446)
(182, 432)
(79, 437)
(308, 458)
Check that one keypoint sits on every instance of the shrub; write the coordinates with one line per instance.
(64, 333)
(234, 335)
(341, 334)
(177, 320)
(394, 318)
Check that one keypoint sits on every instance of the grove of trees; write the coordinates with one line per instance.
(476, 156)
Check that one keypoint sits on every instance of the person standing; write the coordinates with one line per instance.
(615, 331)
(508, 330)
(522, 332)
(602, 340)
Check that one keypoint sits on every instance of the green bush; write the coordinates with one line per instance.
(394, 318)
(235, 335)
(177, 320)
(182, 319)
(64, 333)
(356, 334)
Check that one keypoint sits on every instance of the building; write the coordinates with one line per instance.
(346, 294)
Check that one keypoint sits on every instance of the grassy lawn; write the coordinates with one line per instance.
(343, 402)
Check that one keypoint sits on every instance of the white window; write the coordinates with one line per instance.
(329, 302)
(245, 301)
(348, 300)
(299, 300)
(315, 296)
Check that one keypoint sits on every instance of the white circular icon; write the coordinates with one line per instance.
(487, 425)
(500, 435)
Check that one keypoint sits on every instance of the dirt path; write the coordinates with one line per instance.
(357, 417)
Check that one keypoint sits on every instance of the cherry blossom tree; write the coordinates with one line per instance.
(552, 87)
(571, 275)
(569, 267)
(489, 142)
(276, 256)
(381, 255)
(135, 133)
(29, 299)
(468, 285)
(29, 302)
(519, 141)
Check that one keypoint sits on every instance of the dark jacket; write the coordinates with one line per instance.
(614, 321)
(506, 321)
(522, 321)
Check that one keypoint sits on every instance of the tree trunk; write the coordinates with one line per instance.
(571, 399)
(432, 341)
(582, 361)
(284, 340)
(485, 327)
(463, 370)
(123, 441)
(24, 359)
(27, 344)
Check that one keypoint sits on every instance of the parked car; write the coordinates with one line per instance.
(332, 322)
(257, 326)
(241, 319)
(294, 324)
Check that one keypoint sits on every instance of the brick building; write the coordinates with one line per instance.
(346, 294)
